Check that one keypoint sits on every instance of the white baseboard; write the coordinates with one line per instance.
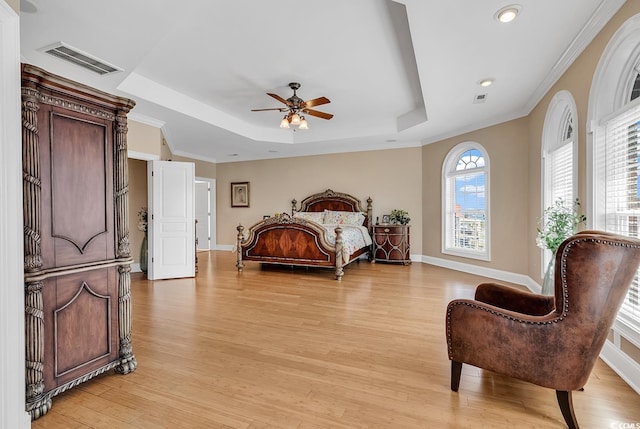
(623, 365)
(505, 276)
(135, 267)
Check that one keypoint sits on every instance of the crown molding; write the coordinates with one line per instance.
(596, 23)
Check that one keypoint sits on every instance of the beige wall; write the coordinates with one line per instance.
(203, 169)
(143, 138)
(14, 4)
(392, 178)
(506, 146)
(137, 200)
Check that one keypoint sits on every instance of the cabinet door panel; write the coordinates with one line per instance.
(81, 207)
(81, 317)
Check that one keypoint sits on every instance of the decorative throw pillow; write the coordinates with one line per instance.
(317, 217)
(343, 218)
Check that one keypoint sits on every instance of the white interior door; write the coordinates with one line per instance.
(203, 211)
(171, 220)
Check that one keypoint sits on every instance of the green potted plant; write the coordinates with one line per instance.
(560, 222)
(400, 217)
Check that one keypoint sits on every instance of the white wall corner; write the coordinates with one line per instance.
(12, 340)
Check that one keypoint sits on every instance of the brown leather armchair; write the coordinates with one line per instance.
(551, 341)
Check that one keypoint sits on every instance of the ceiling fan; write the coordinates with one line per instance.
(296, 107)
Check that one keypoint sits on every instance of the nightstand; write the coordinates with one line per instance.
(391, 243)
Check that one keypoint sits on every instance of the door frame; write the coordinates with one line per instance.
(212, 208)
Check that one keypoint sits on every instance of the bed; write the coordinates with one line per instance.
(322, 232)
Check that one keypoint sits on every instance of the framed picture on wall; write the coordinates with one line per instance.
(239, 194)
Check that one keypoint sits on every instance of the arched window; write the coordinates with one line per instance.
(614, 155)
(466, 202)
(559, 143)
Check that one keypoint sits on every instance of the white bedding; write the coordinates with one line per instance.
(354, 237)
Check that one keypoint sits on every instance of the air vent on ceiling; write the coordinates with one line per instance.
(479, 98)
(79, 58)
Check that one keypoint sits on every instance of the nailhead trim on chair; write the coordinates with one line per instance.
(565, 292)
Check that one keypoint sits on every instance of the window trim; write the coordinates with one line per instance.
(449, 167)
(562, 108)
(608, 97)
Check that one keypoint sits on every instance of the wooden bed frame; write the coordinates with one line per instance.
(288, 240)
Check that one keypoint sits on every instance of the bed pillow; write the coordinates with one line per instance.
(343, 218)
(317, 217)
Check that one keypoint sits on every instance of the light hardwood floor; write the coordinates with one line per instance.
(281, 348)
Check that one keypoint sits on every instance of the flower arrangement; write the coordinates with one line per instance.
(142, 220)
(560, 222)
(399, 217)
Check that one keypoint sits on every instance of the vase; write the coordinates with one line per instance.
(144, 253)
(549, 275)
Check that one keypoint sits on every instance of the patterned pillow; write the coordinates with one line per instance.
(343, 218)
(317, 217)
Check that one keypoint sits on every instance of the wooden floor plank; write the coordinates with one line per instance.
(293, 348)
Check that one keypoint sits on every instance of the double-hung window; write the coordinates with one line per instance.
(465, 202)
(622, 188)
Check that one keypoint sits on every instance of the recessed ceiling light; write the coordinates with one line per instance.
(508, 13)
(486, 82)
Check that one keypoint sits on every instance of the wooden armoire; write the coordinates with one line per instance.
(76, 236)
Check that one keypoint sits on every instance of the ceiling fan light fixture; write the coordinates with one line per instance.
(295, 106)
(508, 13)
(303, 124)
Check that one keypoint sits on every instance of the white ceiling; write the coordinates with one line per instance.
(398, 73)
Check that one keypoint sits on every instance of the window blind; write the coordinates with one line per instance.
(622, 191)
(561, 173)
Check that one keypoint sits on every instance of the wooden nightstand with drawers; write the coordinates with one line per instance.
(391, 243)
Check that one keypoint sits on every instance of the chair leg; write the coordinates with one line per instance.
(566, 406)
(456, 370)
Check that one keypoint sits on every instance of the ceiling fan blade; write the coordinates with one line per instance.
(274, 108)
(277, 97)
(316, 102)
(318, 114)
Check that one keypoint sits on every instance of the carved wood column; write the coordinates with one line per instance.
(128, 361)
(339, 254)
(121, 186)
(31, 181)
(34, 353)
(32, 210)
(239, 238)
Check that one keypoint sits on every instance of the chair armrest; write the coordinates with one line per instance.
(509, 298)
(514, 344)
